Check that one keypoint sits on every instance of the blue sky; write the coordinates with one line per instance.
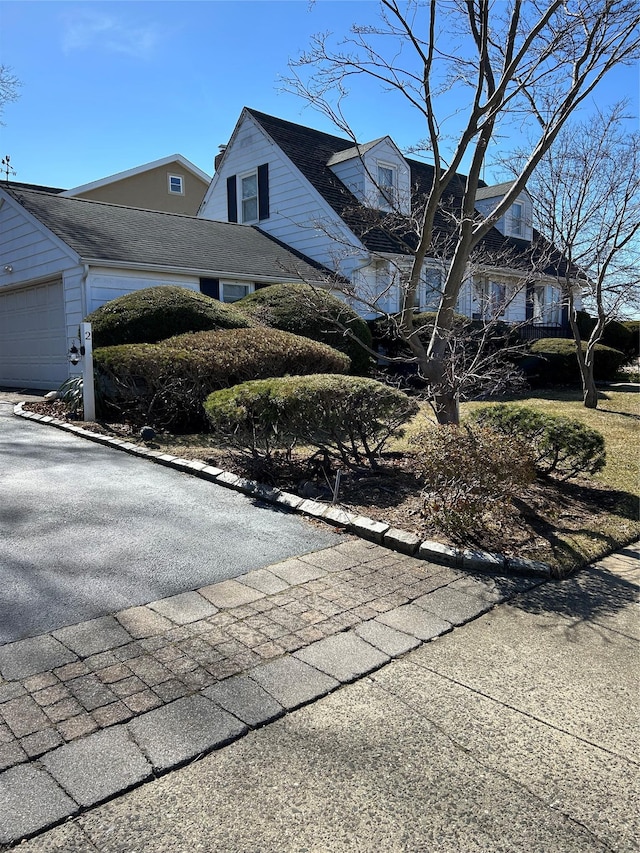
(111, 85)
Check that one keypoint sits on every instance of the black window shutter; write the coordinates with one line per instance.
(263, 191)
(210, 287)
(232, 199)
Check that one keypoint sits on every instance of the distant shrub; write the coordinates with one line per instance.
(155, 313)
(562, 446)
(553, 361)
(165, 384)
(312, 313)
(471, 474)
(345, 416)
(633, 326)
(615, 334)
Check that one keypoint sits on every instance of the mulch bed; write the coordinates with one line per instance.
(392, 494)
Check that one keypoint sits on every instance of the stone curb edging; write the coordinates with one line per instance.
(366, 528)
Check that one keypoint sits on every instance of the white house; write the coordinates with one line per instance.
(331, 200)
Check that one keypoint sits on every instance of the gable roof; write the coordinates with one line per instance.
(107, 232)
(494, 191)
(311, 151)
(139, 170)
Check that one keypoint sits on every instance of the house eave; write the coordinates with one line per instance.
(199, 272)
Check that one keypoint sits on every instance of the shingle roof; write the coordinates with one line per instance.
(494, 191)
(108, 232)
(312, 150)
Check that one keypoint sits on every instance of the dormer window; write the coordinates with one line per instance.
(517, 219)
(387, 185)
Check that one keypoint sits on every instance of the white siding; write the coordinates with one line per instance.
(486, 205)
(31, 251)
(105, 284)
(298, 216)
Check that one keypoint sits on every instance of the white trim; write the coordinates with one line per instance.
(170, 178)
(192, 271)
(42, 228)
(138, 170)
(242, 176)
(250, 288)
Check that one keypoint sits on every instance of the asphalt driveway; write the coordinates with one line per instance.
(86, 530)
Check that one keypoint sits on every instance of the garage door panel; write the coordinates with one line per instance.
(33, 345)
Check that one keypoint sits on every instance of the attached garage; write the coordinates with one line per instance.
(33, 345)
(60, 258)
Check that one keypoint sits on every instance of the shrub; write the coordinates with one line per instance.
(553, 361)
(165, 384)
(560, 445)
(615, 334)
(315, 314)
(351, 417)
(633, 326)
(156, 313)
(471, 473)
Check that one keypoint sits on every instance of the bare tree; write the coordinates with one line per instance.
(532, 62)
(586, 193)
(9, 85)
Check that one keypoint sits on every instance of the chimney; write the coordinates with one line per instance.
(218, 157)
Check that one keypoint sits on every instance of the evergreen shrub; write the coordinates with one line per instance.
(350, 417)
(553, 361)
(562, 446)
(312, 313)
(155, 313)
(165, 384)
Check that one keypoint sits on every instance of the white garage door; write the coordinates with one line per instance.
(33, 341)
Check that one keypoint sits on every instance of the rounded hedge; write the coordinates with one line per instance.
(615, 334)
(165, 384)
(633, 326)
(560, 445)
(156, 313)
(553, 361)
(349, 416)
(312, 313)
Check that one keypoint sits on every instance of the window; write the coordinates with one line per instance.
(231, 291)
(432, 289)
(176, 184)
(497, 300)
(387, 183)
(517, 219)
(249, 197)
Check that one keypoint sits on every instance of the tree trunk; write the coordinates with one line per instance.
(590, 392)
(447, 407)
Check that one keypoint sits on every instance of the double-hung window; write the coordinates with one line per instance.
(387, 184)
(249, 196)
(176, 184)
(517, 219)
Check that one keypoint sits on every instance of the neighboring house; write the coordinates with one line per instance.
(172, 184)
(348, 207)
(60, 258)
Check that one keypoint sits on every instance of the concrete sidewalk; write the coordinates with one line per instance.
(517, 732)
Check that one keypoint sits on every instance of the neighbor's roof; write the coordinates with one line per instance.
(109, 232)
(139, 170)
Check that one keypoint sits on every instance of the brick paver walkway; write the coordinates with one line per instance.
(61, 686)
